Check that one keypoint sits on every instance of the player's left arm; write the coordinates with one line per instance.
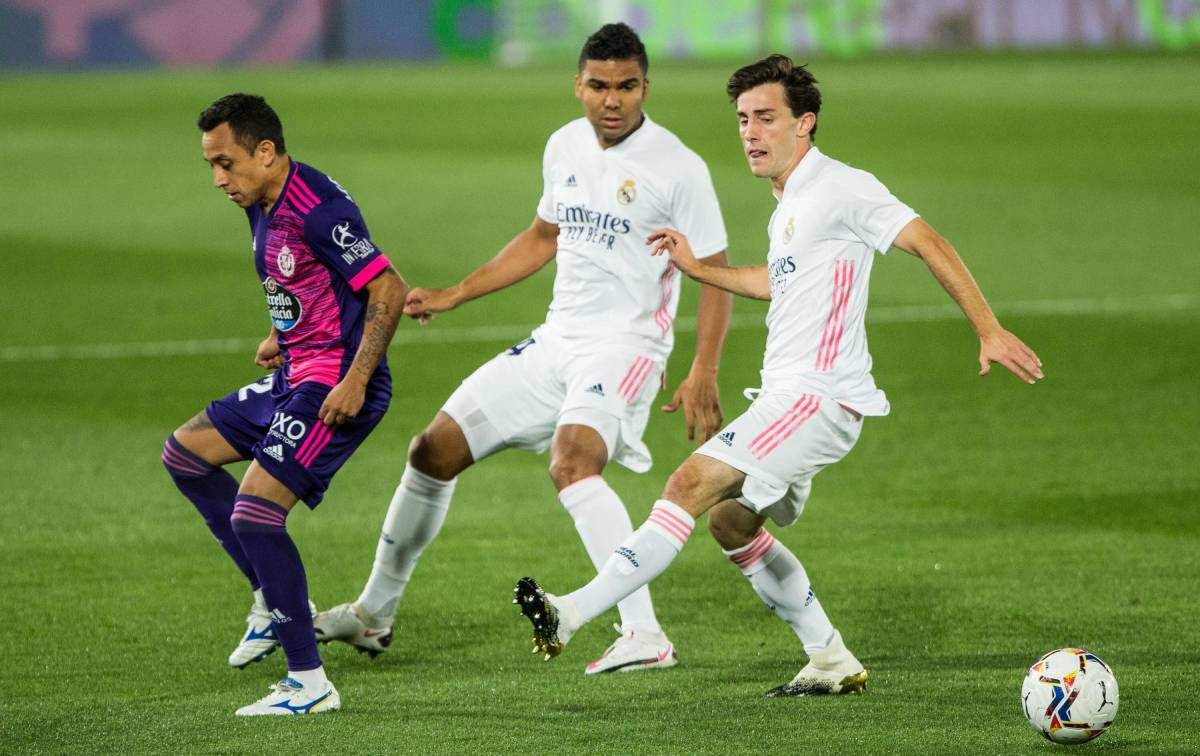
(996, 344)
(698, 392)
(385, 304)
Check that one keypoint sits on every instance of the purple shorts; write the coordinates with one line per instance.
(279, 427)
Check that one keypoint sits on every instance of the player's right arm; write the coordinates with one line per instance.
(526, 254)
(751, 281)
(268, 355)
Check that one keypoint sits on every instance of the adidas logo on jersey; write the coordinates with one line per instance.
(571, 180)
(595, 388)
(278, 617)
(726, 438)
(274, 452)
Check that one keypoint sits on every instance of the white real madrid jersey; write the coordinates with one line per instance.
(830, 220)
(608, 289)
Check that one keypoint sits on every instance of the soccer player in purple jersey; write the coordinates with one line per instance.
(334, 300)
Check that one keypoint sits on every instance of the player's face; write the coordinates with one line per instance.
(771, 136)
(242, 175)
(612, 93)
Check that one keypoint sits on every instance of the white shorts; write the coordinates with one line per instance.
(780, 443)
(520, 396)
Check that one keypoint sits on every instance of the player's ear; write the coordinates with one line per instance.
(805, 125)
(265, 152)
(645, 88)
(578, 87)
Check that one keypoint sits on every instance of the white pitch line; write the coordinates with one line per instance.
(438, 334)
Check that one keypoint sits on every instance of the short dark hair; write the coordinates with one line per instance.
(249, 117)
(799, 85)
(614, 42)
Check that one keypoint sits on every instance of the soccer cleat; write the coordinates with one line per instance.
(831, 671)
(635, 650)
(289, 697)
(260, 640)
(350, 624)
(549, 635)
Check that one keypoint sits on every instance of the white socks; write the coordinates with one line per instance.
(312, 679)
(637, 561)
(414, 517)
(603, 524)
(780, 580)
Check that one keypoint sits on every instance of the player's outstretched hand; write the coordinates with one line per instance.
(701, 406)
(421, 303)
(343, 401)
(268, 355)
(1005, 348)
(674, 244)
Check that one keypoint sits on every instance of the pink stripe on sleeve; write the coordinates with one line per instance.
(364, 276)
(304, 190)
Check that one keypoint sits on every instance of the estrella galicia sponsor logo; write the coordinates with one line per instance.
(628, 553)
(726, 438)
(288, 428)
(779, 270)
(353, 248)
(283, 306)
(578, 223)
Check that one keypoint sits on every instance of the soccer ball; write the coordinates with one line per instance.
(1070, 696)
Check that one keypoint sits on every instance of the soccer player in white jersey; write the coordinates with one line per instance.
(816, 379)
(583, 383)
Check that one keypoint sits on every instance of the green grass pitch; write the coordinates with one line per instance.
(981, 524)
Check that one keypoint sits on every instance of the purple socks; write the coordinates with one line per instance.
(212, 491)
(261, 528)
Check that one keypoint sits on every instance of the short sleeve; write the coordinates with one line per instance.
(545, 208)
(336, 233)
(873, 214)
(695, 210)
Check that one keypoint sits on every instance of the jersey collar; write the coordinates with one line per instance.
(804, 172)
(295, 166)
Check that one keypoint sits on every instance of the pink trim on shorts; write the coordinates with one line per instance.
(778, 431)
(635, 379)
(314, 444)
(364, 276)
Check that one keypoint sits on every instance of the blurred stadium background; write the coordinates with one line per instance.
(983, 523)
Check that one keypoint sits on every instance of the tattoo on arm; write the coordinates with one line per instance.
(198, 423)
(377, 334)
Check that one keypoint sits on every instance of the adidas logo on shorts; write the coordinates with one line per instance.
(274, 452)
(726, 438)
(595, 388)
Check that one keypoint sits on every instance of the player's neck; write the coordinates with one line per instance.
(275, 184)
(780, 181)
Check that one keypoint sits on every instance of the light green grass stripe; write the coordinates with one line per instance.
(500, 333)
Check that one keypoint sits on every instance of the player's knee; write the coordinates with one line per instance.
(566, 470)
(683, 485)
(729, 531)
(181, 462)
(426, 454)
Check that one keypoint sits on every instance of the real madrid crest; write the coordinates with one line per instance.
(628, 192)
(789, 230)
(286, 263)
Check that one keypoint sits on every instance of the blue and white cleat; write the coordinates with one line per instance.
(289, 697)
(260, 640)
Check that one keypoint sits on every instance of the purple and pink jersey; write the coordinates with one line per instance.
(314, 255)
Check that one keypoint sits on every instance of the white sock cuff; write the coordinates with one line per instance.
(581, 490)
(425, 485)
(672, 521)
(753, 556)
